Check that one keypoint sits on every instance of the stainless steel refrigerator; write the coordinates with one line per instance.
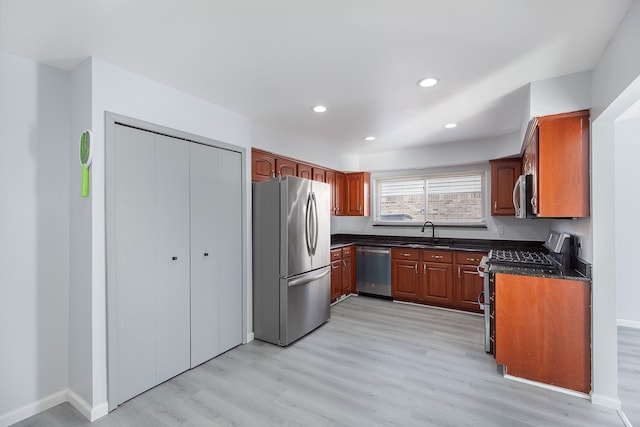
(291, 258)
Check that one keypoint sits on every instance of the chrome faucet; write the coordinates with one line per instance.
(433, 229)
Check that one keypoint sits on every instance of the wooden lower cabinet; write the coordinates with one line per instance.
(336, 279)
(343, 277)
(405, 277)
(543, 329)
(468, 283)
(436, 285)
(429, 277)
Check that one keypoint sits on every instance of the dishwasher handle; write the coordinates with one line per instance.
(367, 250)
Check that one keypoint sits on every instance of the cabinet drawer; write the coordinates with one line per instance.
(469, 258)
(346, 251)
(336, 254)
(412, 254)
(437, 256)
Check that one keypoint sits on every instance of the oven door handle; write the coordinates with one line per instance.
(481, 303)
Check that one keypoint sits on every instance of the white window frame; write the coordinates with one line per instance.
(444, 173)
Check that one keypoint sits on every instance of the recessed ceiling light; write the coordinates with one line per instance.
(427, 82)
(450, 125)
(319, 108)
(369, 138)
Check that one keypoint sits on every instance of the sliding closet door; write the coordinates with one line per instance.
(216, 252)
(133, 250)
(205, 253)
(149, 249)
(229, 230)
(172, 257)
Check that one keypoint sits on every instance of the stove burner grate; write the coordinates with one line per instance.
(518, 257)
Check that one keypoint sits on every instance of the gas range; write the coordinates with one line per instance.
(555, 255)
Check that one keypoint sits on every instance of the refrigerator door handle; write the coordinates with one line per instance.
(307, 228)
(315, 223)
(307, 279)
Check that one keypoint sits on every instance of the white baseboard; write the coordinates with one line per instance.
(49, 402)
(90, 413)
(606, 401)
(628, 323)
(250, 337)
(33, 408)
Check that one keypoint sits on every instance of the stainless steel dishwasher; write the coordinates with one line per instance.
(373, 270)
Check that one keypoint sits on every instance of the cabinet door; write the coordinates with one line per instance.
(305, 171)
(530, 161)
(340, 194)
(469, 285)
(563, 165)
(173, 266)
(330, 178)
(336, 279)
(285, 167)
(504, 174)
(543, 330)
(436, 285)
(346, 275)
(357, 193)
(319, 174)
(263, 165)
(404, 279)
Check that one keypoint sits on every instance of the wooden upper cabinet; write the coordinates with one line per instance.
(305, 171)
(319, 174)
(340, 194)
(357, 184)
(563, 165)
(530, 162)
(286, 167)
(504, 174)
(263, 165)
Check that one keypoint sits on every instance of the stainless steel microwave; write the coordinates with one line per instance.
(522, 195)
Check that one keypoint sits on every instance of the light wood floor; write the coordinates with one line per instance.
(629, 373)
(375, 363)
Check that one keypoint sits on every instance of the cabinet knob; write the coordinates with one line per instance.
(495, 206)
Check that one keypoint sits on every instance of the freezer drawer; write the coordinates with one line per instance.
(305, 303)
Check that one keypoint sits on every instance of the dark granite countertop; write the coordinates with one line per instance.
(472, 245)
(539, 272)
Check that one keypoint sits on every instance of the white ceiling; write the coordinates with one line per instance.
(271, 60)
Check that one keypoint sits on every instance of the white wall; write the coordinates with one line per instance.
(433, 158)
(119, 91)
(34, 247)
(561, 94)
(627, 234)
(80, 332)
(440, 155)
(615, 87)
